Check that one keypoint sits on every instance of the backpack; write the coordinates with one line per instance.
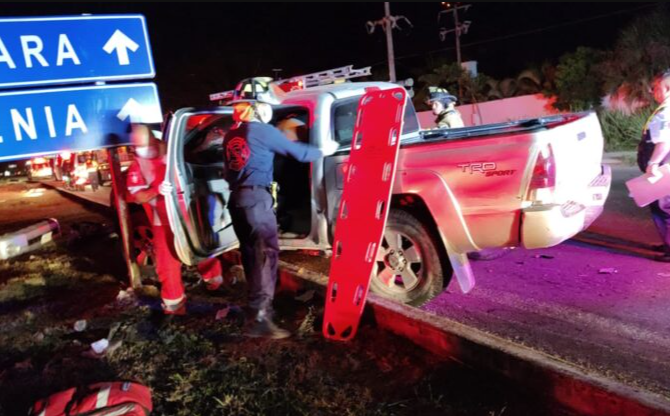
(101, 399)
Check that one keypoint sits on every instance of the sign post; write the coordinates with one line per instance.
(118, 187)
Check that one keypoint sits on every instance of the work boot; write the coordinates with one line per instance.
(178, 309)
(262, 326)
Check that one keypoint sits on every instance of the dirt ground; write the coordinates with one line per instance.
(198, 365)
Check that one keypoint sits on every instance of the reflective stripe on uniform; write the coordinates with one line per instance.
(103, 396)
(173, 304)
(136, 189)
(651, 117)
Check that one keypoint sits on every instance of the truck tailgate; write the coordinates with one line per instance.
(578, 150)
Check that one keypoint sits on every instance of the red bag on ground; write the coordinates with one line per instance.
(102, 399)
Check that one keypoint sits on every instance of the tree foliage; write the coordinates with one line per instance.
(641, 51)
(456, 80)
(578, 85)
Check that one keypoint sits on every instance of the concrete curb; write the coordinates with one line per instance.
(89, 202)
(583, 391)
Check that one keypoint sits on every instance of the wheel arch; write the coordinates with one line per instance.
(414, 205)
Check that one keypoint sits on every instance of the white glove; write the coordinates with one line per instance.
(165, 188)
(330, 147)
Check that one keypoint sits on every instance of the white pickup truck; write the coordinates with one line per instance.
(530, 183)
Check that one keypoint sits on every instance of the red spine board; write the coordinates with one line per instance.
(363, 209)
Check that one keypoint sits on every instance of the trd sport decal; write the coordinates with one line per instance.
(487, 168)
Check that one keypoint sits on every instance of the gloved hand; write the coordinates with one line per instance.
(165, 188)
(330, 147)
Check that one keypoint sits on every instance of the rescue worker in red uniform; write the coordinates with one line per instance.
(144, 177)
(249, 150)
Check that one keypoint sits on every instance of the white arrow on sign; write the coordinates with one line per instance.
(131, 109)
(139, 113)
(121, 43)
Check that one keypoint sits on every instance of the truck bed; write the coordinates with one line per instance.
(511, 127)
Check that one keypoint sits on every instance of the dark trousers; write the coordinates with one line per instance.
(662, 222)
(255, 225)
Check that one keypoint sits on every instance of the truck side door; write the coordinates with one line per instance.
(195, 192)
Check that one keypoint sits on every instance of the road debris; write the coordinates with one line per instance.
(608, 270)
(305, 297)
(80, 326)
(100, 346)
(126, 297)
(222, 313)
(28, 239)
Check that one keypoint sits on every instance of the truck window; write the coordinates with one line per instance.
(204, 138)
(344, 119)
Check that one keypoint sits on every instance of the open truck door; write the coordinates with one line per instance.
(196, 194)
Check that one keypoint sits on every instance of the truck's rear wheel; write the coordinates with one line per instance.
(408, 267)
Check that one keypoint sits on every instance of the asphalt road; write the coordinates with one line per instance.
(603, 310)
(622, 219)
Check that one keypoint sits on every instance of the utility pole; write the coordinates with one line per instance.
(458, 37)
(389, 41)
(459, 28)
(388, 23)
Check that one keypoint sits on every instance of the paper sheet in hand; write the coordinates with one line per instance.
(646, 189)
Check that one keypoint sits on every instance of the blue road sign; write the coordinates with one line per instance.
(73, 49)
(46, 121)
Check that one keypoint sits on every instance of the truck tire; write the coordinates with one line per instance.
(141, 238)
(408, 267)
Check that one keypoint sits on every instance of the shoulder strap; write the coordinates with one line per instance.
(651, 117)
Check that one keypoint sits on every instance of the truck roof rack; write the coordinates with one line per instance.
(329, 76)
(299, 82)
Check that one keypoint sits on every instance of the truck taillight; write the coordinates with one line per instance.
(544, 172)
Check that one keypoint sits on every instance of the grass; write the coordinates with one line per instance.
(622, 132)
(198, 366)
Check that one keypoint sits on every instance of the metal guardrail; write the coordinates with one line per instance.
(28, 239)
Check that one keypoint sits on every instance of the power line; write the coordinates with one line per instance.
(527, 32)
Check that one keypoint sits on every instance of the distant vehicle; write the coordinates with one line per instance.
(12, 170)
(39, 168)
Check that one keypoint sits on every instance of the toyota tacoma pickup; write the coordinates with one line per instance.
(530, 183)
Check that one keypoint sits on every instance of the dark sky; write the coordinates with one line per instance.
(201, 48)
